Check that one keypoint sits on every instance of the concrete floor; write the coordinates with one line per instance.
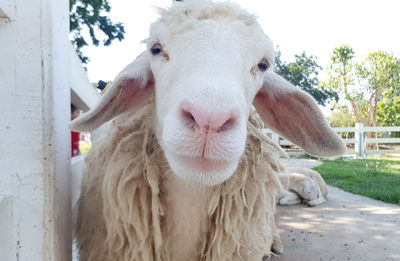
(347, 227)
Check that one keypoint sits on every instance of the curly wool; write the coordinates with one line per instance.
(121, 210)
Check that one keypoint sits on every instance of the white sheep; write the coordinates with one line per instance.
(302, 184)
(185, 172)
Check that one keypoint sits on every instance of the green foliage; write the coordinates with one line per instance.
(342, 117)
(365, 86)
(341, 76)
(374, 178)
(303, 72)
(344, 55)
(389, 111)
(380, 71)
(342, 71)
(92, 15)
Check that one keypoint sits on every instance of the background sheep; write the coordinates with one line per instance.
(302, 184)
(184, 172)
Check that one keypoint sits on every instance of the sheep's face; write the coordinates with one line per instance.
(206, 76)
(207, 63)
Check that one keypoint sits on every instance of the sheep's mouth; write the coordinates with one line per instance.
(203, 164)
(202, 170)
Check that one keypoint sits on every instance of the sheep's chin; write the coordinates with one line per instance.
(202, 172)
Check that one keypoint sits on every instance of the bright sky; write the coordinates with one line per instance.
(313, 26)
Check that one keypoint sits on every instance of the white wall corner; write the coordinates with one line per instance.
(7, 11)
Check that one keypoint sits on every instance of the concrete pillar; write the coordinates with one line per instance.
(35, 219)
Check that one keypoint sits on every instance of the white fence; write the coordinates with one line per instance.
(35, 219)
(39, 73)
(358, 143)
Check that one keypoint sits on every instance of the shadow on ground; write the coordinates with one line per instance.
(347, 227)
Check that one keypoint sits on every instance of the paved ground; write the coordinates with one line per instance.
(347, 227)
(305, 163)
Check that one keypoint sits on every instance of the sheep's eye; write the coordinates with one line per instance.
(263, 65)
(156, 49)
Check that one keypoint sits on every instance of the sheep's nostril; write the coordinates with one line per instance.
(229, 124)
(189, 118)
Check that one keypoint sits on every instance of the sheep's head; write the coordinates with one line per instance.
(207, 64)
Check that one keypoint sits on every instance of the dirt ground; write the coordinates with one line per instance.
(347, 227)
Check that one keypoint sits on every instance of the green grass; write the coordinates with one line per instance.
(377, 178)
(84, 147)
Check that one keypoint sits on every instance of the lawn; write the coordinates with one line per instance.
(84, 147)
(377, 178)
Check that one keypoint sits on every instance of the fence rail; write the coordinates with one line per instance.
(359, 141)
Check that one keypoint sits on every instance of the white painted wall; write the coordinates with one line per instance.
(35, 219)
(83, 94)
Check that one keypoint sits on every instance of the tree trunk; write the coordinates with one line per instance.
(376, 114)
(355, 110)
(370, 116)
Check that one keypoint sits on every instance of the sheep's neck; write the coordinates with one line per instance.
(186, 220)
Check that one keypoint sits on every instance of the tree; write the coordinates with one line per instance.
(372, 99)
(379, 73)
(342, 77)
(303, 72)
(375, 76)
(92, 15)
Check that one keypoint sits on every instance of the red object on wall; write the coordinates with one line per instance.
(75, 137)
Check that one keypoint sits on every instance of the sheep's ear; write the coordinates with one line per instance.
(129, 91)
(294, 114)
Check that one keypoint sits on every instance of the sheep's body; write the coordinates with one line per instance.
(302, 183)
(132, 206)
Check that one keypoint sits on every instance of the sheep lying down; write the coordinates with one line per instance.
(185, 172)
(302, 185)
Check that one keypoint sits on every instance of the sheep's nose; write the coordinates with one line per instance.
(215, 120)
